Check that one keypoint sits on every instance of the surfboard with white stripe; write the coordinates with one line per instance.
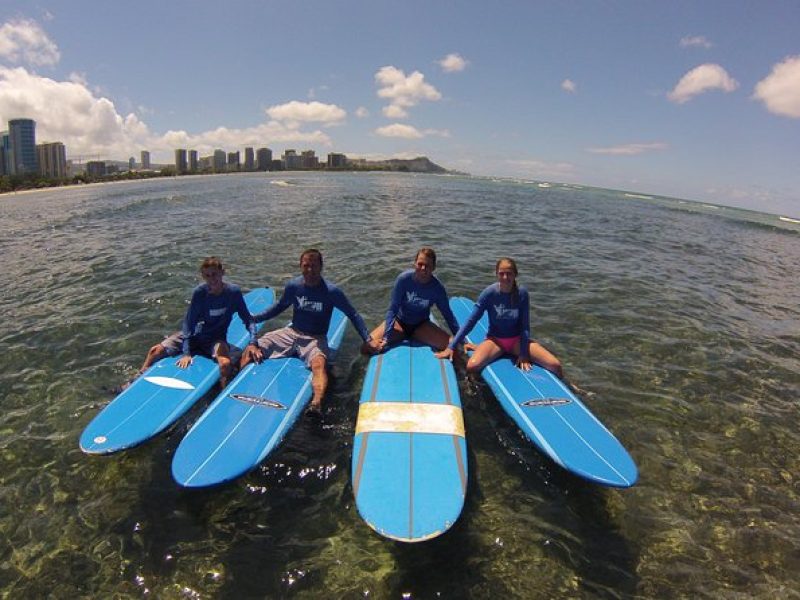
(551, 416)
(249, 418)
(163, 393)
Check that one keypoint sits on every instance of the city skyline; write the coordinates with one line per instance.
(692, 100)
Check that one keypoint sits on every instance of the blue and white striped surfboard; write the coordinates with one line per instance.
(248, 419)
(551, 416)
(409, 456)
(158, 398)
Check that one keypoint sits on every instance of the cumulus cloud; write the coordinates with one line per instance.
(452, 63)
(24, 42)
(700, 80)
(780, 90)
(695, 40)
(400, 131)
(91, 125)
(629, 149)
(294, 113)
(569, 86)
(362, 112)
(403, 91)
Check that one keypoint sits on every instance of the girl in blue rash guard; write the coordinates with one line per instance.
(409, 316)
(509, 326)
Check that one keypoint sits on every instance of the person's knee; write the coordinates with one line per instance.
(473, 366)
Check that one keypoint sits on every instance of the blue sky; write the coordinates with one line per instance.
(698, 100)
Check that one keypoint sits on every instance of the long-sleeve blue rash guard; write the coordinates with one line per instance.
(507, 318)
(313, 307)
(209, 315)
(411, 302)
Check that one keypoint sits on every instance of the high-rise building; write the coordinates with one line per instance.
(193, 161)
(308, 159)
(219, 161)
(22, 138)
(52, 160)
(291, 160)
(264, 159)
(4, 152)
(234, 161)
(181, 166)
(145, 159)
(336, 161)
(96, 168)
(249, 160)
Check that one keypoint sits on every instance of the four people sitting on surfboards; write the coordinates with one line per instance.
(509, 327)
(313, 300)
(205, 326)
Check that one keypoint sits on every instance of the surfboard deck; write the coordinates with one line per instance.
(551, 416)
(409, 464)
(157, 398)
(248, 419)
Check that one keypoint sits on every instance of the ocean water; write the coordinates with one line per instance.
(680, 321)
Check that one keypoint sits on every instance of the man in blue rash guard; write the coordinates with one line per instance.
(409, 316)
(509, 326)
(205, 326)
(313, 300)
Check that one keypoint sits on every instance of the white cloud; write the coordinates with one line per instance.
(400, 131)
(293, 113)
(695, 40)
(452, 63)
(362, 112)
(780, 90)
(394, 111)
(629, 149)
(23, 41)
(91, 126)
(569, 86)
(403, 91)
(700, 80)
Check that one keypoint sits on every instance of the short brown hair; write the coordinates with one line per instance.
(427, 252)
(211, 262)
(312, 251)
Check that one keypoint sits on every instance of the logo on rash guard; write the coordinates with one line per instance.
(501, 312)
(413, 300)
(304, 303)
(217, 312)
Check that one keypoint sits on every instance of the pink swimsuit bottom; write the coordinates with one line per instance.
(507, 344)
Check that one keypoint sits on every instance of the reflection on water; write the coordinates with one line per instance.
(679, 322)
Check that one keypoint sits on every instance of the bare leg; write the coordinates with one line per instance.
(223, 357)
(545, 359)
(155, 353)
(486, 352)
(432, 335)
(319, 381)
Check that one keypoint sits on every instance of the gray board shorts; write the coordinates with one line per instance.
(173, 345)
(286, 342)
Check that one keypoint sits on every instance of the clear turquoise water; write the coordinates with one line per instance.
(679, 320)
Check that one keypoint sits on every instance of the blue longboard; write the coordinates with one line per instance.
(552, 417)
(248, 419)
(157, 398)
(410, 456)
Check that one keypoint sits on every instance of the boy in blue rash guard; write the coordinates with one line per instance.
(205, 326)
(409, 315)
(313, 300)
(509, 326)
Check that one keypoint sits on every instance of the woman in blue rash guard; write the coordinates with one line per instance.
(409, 315)
(509, 326)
